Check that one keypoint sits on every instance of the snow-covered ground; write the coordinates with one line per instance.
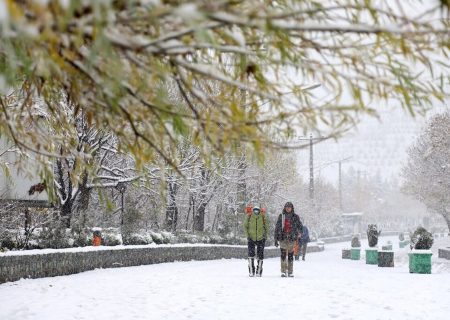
(324, 287)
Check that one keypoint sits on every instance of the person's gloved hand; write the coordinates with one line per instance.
(276, 243)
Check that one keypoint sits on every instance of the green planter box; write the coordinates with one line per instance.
(372, 256)
(387, 247)
(420, 261)
(355, 253)
(346, 254)
(386, 259)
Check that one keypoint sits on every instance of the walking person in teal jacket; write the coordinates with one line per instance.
(256, 229)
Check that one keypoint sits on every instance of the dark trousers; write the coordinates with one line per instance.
(303, 248)
(259, 248)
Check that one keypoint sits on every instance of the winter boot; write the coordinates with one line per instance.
(283, 275)
(283, 262)
(290, 265)
(251, 267)
(259, 268)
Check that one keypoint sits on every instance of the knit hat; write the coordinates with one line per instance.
(289, 205)
(256, 210)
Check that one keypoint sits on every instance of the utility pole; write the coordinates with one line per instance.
(340, 182)
(311, 164)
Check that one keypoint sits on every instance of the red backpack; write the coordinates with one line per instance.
(249, 211)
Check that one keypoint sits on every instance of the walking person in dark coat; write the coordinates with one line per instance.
(287, 232)
(304, 239)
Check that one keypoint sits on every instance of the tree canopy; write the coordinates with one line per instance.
(426, 174)
(221, 73)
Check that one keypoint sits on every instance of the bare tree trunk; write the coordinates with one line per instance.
(215, 218)
(27, 228)
(66, 213)
(446, 216)
(241, 185)
(172, 209)
(193, 213)
(189, 211)
(85, 194)
(242, 166)
(27, 221)
(82, 203)
(66, 195)
(199, 217)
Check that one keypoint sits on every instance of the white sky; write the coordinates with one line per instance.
(375, 145)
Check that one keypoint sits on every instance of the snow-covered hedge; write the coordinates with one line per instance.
(356, 243)
(52, 237)
(8, 240)
(421, 239)
(137, 239)
(111, 237)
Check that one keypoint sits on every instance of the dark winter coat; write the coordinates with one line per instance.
(296, 227)
(305, 235)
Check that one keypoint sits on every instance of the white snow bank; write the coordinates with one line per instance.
(421, 251)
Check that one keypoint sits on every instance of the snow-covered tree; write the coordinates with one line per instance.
(427, 172)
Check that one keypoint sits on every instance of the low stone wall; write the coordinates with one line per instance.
(39, 265)
(348, 237)
(336, 239)
(444, 253)
(389, 233)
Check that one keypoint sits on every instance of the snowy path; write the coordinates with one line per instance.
(324, 287)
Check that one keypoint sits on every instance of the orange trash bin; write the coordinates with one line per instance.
(97, 240)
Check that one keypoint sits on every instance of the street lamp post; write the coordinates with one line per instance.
(121, 187)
